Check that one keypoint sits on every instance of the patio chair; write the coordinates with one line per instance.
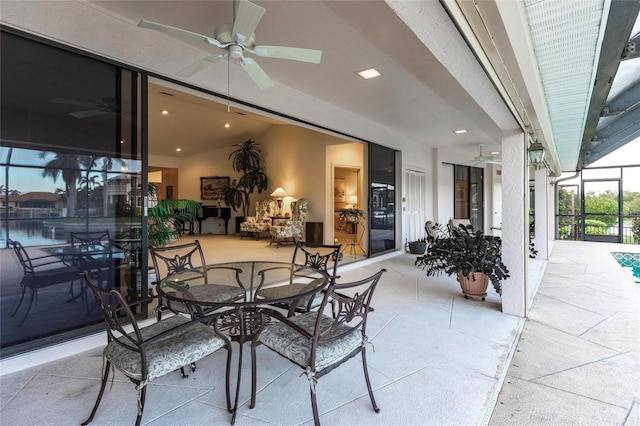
(147, 353)
(101, 262)
(171, 259)
(40, 272)
(318, 256)
(318, 343)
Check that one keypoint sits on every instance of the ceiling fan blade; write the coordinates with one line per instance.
(199, 65)
(180, 31)
(292, 53)
(258, 75)
(66, 101)
(246, 19)
(87, 114)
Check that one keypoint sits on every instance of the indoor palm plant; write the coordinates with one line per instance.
(246, 159)
(168, 218)
(474, 257)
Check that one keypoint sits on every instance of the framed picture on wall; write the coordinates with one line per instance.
(212, 188)
(339, 194)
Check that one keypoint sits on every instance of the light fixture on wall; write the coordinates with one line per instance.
(279, 193)
(354, 201)
(536, 154)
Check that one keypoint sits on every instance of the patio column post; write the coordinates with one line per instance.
(541, 205)
(515, 222)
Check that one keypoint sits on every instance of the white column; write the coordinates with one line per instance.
(515, 223)
(541, 207)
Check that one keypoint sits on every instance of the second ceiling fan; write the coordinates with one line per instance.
(481, 159)
(238, 38)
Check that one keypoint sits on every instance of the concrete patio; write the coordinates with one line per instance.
(436, 358)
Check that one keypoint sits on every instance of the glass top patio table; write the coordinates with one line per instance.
(213, 290)
(262, 283)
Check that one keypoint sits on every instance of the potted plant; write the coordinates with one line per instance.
(474, 257)
(418, 246)
(168, 218)
(351, 214)
(247, 160)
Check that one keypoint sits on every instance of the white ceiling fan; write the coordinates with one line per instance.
(481, 159)
(238, 38)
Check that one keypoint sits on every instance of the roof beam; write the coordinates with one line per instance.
(620, 21)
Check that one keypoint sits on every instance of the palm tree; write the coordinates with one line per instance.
(246, 159)
(68, 167)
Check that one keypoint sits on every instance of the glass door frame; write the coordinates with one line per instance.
(619, 214)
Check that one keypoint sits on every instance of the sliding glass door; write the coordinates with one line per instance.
(70, 162)
(382, 199)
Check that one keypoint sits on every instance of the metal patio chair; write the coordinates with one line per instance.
(151, 352)
(318, 343)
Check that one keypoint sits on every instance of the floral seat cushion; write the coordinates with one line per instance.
(168, 354)
(291, 344)
(214, 293)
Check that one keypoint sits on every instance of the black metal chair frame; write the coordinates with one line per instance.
(317, 256)
(351, 311)
(117, 315)
(175, 264)
(40, 272)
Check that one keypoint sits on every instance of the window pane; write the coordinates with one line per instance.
(69, 161)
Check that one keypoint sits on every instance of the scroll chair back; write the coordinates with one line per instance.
(39, 272)
(317, 256)
(101, 261)
(317, 342)
(154, 351)
(169, 260)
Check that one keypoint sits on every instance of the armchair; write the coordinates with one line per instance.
(261, 222)
(291, 229)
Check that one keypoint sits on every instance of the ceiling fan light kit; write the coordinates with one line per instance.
(238, 38)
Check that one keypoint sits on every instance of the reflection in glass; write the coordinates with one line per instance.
(382, 195)
(64, 169)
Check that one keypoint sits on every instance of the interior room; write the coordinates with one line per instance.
(191, 135)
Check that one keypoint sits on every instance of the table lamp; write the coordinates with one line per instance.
(279, 193)
(354, 201)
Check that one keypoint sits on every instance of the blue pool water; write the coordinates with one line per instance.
(630, 262)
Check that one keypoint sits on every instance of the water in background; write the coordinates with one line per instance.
(28, 237)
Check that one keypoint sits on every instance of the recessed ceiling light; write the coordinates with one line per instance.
(178, 149)
(165, 112)
(227, 125)
(495, 152)
(460, 131)
(369, 73)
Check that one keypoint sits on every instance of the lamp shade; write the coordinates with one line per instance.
(353, 199)
(279, 193)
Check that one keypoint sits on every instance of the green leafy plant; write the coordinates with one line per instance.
(465, 250)
(246, 159)
(351, 214)
(635, 229)
(168, 218)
